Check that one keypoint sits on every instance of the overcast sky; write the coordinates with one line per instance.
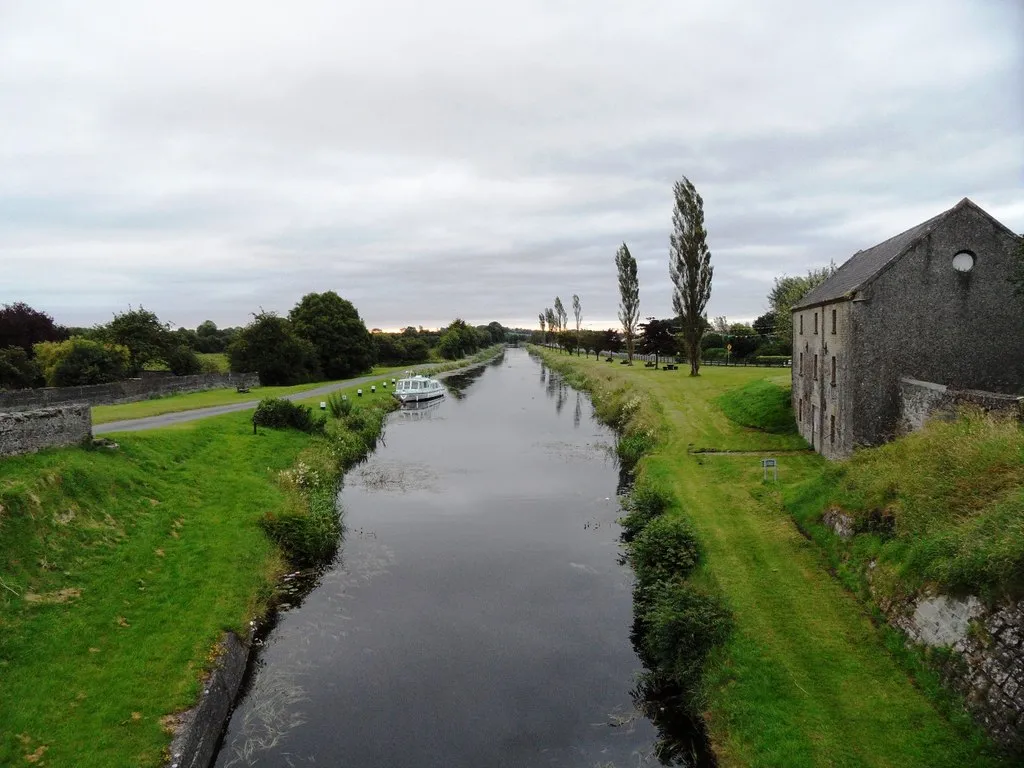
(468, 158)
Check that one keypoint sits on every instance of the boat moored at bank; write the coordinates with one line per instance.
(417, 389)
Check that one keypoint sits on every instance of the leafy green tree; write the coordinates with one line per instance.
(79, 361)
(21, 326)
(333, 326)
(18, 370)
(787, 291)
(549, 315)
(543, 320)
(270, 346)
(765, 324)
(657, 338)
(183, 361)
(611, 340)
(141, 331)
(577, 312)
(591, 342)
(458, 340)
(629, 297)
(689, 265)
(497, 332)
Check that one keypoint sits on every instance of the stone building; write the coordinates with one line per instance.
(933, 303)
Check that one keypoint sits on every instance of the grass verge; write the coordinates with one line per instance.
(104, 414)
(942, 507)
(805, 678)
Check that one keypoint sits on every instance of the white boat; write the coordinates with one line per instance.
(417, 389)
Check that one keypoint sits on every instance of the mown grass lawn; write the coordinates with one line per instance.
(806, 679)
(104, 414)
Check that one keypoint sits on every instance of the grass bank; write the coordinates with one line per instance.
(805, 678)
(120, 570)
(942, 507)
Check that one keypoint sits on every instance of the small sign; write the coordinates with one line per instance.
(771, 464)
(729, 347)
(768, 462)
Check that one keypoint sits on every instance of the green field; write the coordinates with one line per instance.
(104, 414)
(806, 679)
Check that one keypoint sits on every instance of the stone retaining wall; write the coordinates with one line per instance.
(29, 431)
(127, 391)
(920, 400)
(988, 665)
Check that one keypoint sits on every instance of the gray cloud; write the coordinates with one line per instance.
(428, 160)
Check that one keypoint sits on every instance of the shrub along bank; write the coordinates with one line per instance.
(804, 678)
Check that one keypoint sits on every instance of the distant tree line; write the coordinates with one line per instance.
(322, 337)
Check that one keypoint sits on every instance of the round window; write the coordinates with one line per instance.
(963, 261)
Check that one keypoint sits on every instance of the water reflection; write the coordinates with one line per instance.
(458, 383)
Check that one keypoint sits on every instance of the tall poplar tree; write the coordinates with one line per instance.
(577, 311)
(629, 297)
(560, 313)
(543, 327)
(689, 265)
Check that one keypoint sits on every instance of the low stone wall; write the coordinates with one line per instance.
(127, 391)
(198, 730)
(921, 400)
(29, 431)
(987, 667)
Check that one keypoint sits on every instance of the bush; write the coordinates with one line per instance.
(680, 626)
(715, 353)
(18, 370)
(645, 503)
(772, 359)
(308, 537)
(182, 361)
(79, 361)
(280, 413)
(338, 406)
(666, 549)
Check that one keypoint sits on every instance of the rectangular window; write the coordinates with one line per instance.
(800, 405)
(801, 369)
(815, 367)
(832, 430)
(833, 321)
(801, 323)
(815, 323)
(833, 370)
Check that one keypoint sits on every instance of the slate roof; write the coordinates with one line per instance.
(864, 265)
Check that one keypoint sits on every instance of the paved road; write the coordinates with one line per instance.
(167, 419)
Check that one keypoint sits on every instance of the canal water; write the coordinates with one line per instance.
(478, 613)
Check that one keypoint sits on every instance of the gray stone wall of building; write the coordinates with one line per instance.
(30, 431)
(128, 391)
(821, 401)
(922, 319)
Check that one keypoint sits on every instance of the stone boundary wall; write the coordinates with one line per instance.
(30, 431)
(920, 400)
(127, 391)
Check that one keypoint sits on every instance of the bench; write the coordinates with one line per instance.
(242, 389)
